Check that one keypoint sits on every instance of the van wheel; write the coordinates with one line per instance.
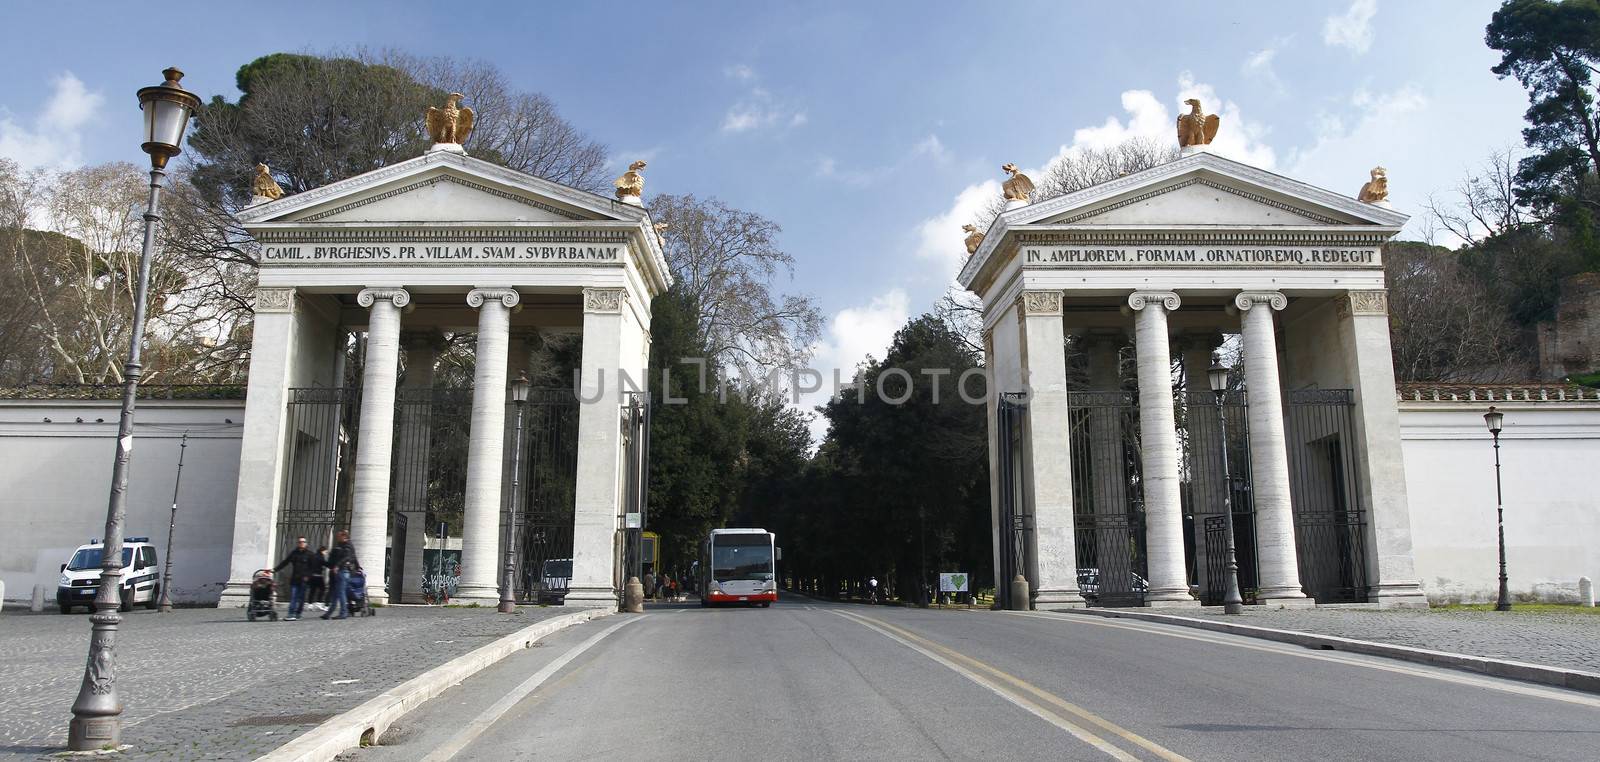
(127, 601)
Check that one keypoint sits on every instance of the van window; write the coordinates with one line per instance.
(147, 557)
(89, 558)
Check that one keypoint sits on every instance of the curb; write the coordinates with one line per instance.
(366, 723)
(1573, 679)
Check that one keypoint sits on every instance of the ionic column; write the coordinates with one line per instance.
(1278, 565)
(369, 518)
(598, 492)
(1049, 435)
(411, 467)
(480, 534)
(1163, 504)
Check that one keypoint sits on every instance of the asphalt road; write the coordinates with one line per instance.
(807, 680)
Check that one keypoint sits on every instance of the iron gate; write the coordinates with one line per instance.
(635, 482)
(320, 440)
(1108, 498)
(1016, 517)
(1203, 490)
(1329, 520)
(547, 489)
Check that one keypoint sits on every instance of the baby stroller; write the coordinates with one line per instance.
(355, 592)
(263, 592)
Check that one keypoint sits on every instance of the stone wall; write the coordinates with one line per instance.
(55, 477)
(1548, 453)
(1570, 345)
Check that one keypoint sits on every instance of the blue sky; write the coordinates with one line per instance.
(870, 131)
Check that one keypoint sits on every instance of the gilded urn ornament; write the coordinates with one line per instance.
(452, 124)
(630, 186)
(974, 238)
(264, 187)
(1375, 190)
(1196, 128)
(1019, 187)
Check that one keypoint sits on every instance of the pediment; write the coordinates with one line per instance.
(441, 187)
(1197, 201)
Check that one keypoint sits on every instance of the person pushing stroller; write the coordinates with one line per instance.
(341, 561)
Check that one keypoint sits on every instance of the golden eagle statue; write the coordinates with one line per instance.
(1195, 128)
(1376, 190)
(631, 183)
(1019, 187)
(451, 124)
(263, 186)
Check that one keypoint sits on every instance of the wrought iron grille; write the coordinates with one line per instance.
(1108, 497)
(319, 448)
(1329, 518)
(1016, 516)
(548, 485)
(1203, 489)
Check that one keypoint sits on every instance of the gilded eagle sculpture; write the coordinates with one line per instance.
(1196, 128)
(974, 238)
(1019, 187)
(631, 184)
(264, 186)
(451, 124)
(1375, 190)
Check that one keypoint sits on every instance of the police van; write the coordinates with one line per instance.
(80, 577)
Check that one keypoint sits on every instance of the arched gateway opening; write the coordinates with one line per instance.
(1101, 313)
(395, 314)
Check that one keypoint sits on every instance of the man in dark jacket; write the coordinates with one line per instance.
(341, 560)
(302, 565)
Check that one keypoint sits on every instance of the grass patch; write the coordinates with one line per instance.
(1525, 608)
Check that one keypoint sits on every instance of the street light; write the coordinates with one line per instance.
(508, 595)
(1232, 601)
(1493, 419)
(97, 712)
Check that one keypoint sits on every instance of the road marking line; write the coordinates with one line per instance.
(1504, 685)
(493, 714)
(968, 667)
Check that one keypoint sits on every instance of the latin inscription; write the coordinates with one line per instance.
(442, 253)
(1201, 256)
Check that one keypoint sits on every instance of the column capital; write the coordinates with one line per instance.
(510, 297)
(1167, 300)
(1272, 299)
(274, 300)
(1364, 303)
(370, 296)
(604, 299)
(1040, 302)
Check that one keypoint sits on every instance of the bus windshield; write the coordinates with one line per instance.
(730, 562)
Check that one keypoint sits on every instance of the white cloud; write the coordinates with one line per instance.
(941, 239)
(56, 137)
(929, 148)
(1419, 144)
(740, 72)
(1352, 30)
(758, 108)
(853, 334)
(1260, 64)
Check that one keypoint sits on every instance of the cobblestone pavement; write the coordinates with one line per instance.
(1570, 641)
(204, 684)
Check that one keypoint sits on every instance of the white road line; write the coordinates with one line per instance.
(1077, 731)
(493, 714)
(1504, 685)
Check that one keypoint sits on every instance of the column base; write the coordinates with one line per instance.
(1171, 603)
(591, 598)
(1060, 599)
(483, 595)
(1284, 598)
(1399, 595)
(236, 595)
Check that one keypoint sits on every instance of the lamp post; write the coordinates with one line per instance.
(165, 606)
(97, 712)
(508, 595)
(1493, 419)
(1232, 601)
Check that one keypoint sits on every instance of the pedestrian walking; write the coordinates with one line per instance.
(649, 583)
(301, 561)
(317, 590)
(872, 589)
(341, 561)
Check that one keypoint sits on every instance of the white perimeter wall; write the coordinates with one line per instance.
(1550, 460)
(55, 482)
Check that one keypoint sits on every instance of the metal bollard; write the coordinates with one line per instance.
(38, 599)
(1585, 592)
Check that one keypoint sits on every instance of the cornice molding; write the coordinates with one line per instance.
(1164, 190)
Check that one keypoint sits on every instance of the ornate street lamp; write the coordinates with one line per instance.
(97, 712)
(508, 594)
(1493, 419)
(1232, 601)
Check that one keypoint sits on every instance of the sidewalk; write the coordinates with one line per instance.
(204, 684)
(1561, 637)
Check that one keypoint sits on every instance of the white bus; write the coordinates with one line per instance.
(739, 566)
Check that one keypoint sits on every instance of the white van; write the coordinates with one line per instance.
(80, 577)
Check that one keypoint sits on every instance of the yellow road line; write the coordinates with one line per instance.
(1504, 685)
(975, 670)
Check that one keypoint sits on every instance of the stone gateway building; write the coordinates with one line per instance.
(406, 254)
(1108, 478)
